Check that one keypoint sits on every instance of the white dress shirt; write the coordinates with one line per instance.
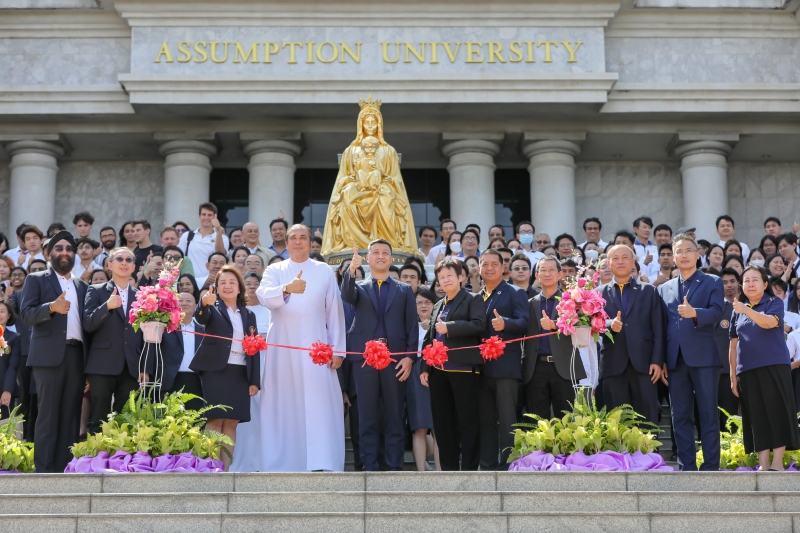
(79, 269)
(200, 248)
(532, 254)
(201, 280)
(123, 293)
(793, 343)
(430, 259)
(601, 243)
(13, 254)
(74, 327)
(791, 319)
(187, 330)
(237, 356)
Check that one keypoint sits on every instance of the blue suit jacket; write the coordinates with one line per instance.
(400, 318)
(511, 303)
(642, 337)
(695, 341)
(48, 331)
(172, 349)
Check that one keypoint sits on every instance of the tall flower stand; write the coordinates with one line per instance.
(153, 332)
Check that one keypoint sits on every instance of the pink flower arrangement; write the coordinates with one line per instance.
(582, 305)
(158, 303)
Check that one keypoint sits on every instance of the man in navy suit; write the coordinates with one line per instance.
(52, 304)
(694, 305)
(386, 311)
(112, 361)
(507, 317)
(630, 366)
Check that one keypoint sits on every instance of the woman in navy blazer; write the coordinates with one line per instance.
(229, 376)
(10, 356)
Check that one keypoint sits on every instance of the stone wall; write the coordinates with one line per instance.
(4, 192)
(687, 60)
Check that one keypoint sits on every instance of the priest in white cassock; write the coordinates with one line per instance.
(302, 428)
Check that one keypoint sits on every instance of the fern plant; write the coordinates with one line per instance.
(586, 429)
(14, 453)
(156, 428)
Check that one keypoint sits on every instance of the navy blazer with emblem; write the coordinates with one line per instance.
(211, 355)
(641, 339)
(511, 303)
(695, 341)
(48, 331)
(722, 335)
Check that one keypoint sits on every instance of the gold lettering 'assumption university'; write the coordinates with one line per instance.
(292, 52)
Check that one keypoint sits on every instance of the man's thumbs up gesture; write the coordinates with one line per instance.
(616, 325)
(297, 285)
(738, 307)
(114, 301)
(686, 310)
(61, 305)
(355, 262)
(497, 322)
(547, 322)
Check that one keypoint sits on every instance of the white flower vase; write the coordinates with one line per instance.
(582, 338)
(153, 331)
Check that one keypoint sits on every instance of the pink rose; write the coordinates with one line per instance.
(582, 282)
(598, 325)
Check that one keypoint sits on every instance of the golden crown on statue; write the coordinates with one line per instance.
(369, 102)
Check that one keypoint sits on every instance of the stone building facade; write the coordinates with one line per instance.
(503, 111)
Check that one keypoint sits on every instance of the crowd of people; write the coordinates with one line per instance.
(703, 325)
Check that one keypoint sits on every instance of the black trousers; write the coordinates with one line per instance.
(109, 394)
(548, 389)
(60, 392)
(455, 406)
(381, 394)
(27, 401)
(498, 412)
(634, 389)
(352, 412)
(190, 383)
(727, 400)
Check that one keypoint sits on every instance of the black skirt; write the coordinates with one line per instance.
(769, 419)
(230, 387)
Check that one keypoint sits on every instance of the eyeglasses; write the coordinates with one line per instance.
(526, 232)
(542, 242)
(521, 269)
(17, 275)
(68, 249)
(181, 230)
(173, 257)
(38, 269)
(684, 252)
(126, 259)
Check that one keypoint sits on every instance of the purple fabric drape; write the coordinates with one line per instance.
(123, 461)
(540, 461)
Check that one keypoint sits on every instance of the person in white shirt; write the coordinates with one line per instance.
(108, 240)
(216, 261)
(645, 249)
(15, 252)
(210, 237)
(446, 227)
(787, 248)
(32, 237)
(85, 256)
(591, 229)
(649, 272)
(525, 234)
(427, 238)
(726, 230)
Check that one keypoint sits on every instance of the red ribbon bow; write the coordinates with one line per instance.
(492, 348)
(377, 355)
(252, 344)
(435, 354)
(321, 353)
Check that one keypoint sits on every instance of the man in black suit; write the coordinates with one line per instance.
(546, 364)
(727, 399)
(507, 316)
(179, 348)
(52, 304)
(630, 366)
(386, 311)
(112, 362)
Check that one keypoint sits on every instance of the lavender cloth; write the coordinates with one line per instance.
(540, 461)
(123, 461)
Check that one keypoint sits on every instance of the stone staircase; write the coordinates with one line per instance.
(439, 502)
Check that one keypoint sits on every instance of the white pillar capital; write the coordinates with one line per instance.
(272, 153)
(34, 166)
(704, 171)
(552, 168)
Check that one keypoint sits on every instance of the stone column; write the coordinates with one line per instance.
(34, 165)
(552, 168)
(271, 178)
(704, 168)
(472, 179)
(187, 171)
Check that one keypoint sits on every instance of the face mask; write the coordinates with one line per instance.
(527, 240)
(455, 247)
(591, 255)
(757, 262)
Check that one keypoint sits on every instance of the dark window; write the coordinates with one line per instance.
(512, 198)
(229, 191)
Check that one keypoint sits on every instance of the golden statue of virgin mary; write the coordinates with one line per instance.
(369, 200)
